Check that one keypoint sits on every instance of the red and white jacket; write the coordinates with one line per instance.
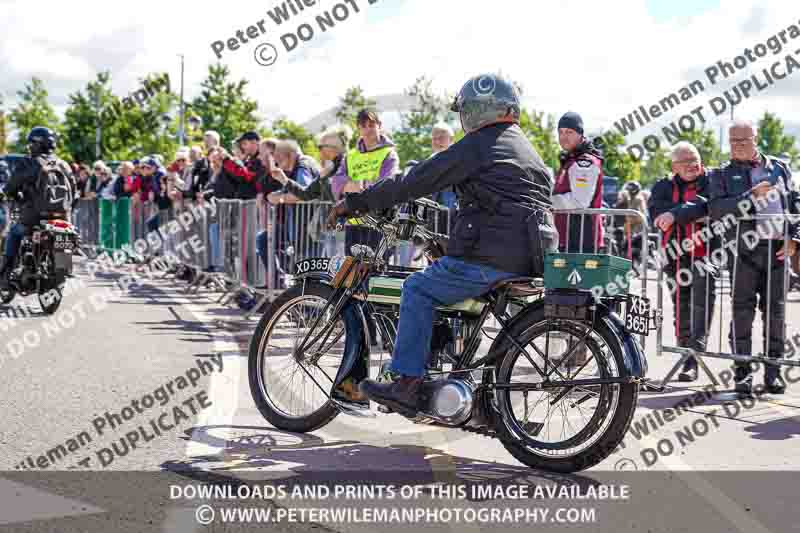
(579, 185)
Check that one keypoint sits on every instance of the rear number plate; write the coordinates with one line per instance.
(637, 315)
(63, 242)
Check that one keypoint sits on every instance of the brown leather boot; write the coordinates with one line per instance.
(400, 394)
(349, 391)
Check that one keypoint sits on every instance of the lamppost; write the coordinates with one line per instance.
(166, 120)
(98, 130)
(194, 122)
(181, 128)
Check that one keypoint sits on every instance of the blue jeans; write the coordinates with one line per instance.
(261, 248)
(14, 240)
(446, 282)
(216, 251)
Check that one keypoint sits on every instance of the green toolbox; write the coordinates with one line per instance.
(604, 275)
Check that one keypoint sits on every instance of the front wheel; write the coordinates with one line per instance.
(569, 428)
(290, 388)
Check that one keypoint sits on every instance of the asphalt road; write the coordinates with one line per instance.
(153, 381)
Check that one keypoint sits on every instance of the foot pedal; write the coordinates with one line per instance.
(354, 409)
(651, 387)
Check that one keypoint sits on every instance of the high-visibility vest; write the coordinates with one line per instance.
(365, 166)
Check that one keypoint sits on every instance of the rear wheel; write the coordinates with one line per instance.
(289, 388)
(563, 429)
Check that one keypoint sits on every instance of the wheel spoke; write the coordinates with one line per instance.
(570, 418)
(292, 382)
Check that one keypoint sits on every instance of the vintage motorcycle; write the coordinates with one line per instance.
(43, 264)
(557, 385)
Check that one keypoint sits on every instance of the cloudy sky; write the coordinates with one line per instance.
(601, 58)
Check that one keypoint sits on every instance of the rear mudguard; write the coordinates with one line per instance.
(634, 361)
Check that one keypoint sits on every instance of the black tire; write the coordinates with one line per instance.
(258, 389)
(614, 431)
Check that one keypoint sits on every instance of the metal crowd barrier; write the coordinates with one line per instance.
(86, 217)
(729, 258)
(594, 247)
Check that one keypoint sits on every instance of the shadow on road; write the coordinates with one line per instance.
(257, 454)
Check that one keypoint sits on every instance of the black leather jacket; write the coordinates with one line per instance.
(26, 174)
(731, 194)
(501, 183)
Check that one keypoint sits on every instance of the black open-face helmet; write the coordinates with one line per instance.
(633, 187)
(41, 140)
(486, 99)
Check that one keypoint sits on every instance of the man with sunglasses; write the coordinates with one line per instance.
(677, 204)
(752, 185)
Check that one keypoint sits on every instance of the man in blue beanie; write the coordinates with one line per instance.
(578, 185)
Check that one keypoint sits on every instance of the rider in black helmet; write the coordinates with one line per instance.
(23, 188)
(503, 191)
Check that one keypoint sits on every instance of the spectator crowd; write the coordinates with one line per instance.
(270, 171)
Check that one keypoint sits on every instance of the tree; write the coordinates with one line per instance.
(33, 109)
(223, 105)
(656, 166)
(706, 143)
(128, 130)
(772, 140)
(350, 104)
(148, 129)
(3, 130)
(286, 129)
(616, 161)
(414, 137)
(541, 135)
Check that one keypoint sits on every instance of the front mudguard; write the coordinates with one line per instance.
(355, 360)
(633, 357)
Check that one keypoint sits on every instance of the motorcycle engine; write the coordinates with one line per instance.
(448, 400)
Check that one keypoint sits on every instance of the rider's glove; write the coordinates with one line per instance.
(340, 210)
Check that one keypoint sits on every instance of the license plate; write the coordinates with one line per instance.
(637, 315)
(63, 242)
(307, 266)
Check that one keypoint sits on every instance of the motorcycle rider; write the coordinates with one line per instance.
(503, 188)
(25, 178)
